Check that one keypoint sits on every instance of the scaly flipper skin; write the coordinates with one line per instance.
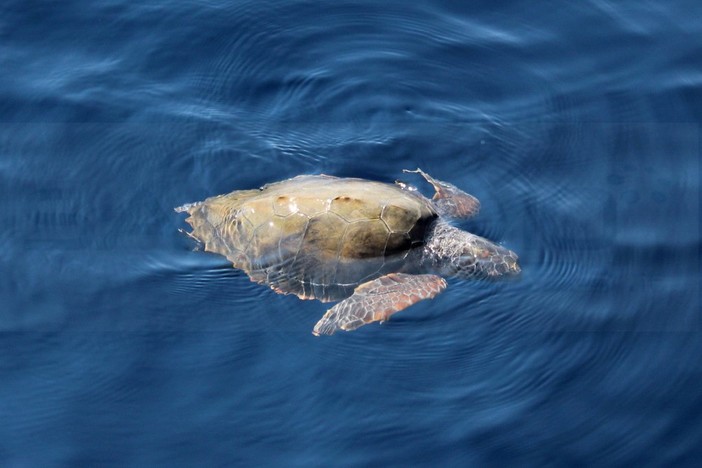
(377, 300)
(449, 200)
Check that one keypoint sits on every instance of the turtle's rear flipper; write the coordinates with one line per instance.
(449, 200)
(377, 300)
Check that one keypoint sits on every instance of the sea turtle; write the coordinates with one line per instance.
(377, 247)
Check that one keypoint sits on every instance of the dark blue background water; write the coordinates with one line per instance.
(577, 124)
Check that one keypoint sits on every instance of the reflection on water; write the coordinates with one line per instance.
(577, 128)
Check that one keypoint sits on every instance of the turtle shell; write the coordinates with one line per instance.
(314, 236)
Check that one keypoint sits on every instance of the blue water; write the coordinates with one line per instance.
(577, 125)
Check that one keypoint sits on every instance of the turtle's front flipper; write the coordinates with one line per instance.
(449, 200)
(377, 300)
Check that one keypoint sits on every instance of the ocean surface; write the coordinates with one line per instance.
(577, 124)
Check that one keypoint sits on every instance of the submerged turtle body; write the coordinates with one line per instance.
(378, 246)
(318, 237)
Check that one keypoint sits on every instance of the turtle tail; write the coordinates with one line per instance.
(204, 222)
(187, 208)
(209, 219)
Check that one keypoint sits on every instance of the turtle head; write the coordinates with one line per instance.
(459, 253)
(484, 259)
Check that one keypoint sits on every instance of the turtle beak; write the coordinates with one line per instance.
(514, 268)
(495, 260)
(510, 260)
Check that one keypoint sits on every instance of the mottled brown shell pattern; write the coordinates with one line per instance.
(314, 236)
